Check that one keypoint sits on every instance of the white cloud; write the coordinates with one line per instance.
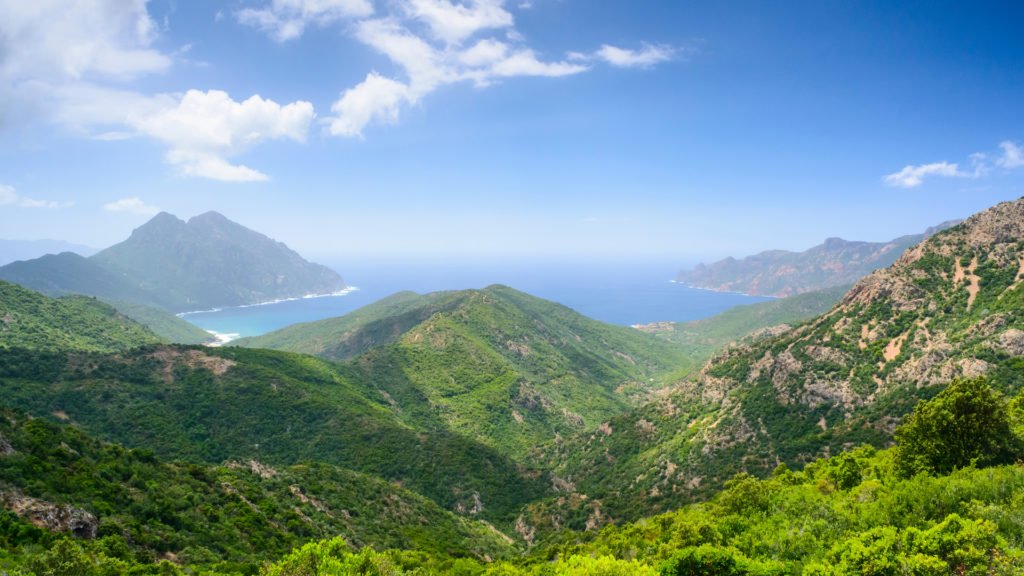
(913, 176)
(201, 129)
(646, 57)
(204, 128)
(10, 197)
(287, 19)
(72, 60)
(376, 98)
(1013, 155)
(427, 67)
(454, 22)
(71, 40)
(133, 205)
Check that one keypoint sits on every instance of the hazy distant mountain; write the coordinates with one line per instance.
(13, 250)
(207, 262)
(784, 273)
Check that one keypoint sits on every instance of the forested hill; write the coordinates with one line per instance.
(496, 365)
(31, 320)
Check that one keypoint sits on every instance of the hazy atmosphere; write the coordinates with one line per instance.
(511, 288)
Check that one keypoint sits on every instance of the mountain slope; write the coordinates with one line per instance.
(496, 365)
(701, 339)
(211, 405)
(208, 262)
(783, 273)
(60, 479)
(31, 320)
(345, 337)
(14, 250)
(167, 326)
(951, 306)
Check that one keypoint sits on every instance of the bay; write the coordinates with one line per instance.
(616, 292)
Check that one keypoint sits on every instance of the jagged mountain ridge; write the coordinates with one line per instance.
(951, 306)
(781, 273)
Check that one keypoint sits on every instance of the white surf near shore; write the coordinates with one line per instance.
(221, 339)
(343, 292)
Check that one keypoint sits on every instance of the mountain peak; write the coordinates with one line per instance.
(209, 217)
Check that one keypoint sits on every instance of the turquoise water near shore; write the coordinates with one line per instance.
(617, 293)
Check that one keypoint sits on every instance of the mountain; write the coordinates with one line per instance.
(31, 320)
(56, 477)
(14, 250)
(209, 405)
(952, 306)
(211, 262)
(207, 262)
(781, 273)
(495, 365)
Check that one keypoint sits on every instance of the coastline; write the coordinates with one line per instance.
(343, 292)
(688, 285)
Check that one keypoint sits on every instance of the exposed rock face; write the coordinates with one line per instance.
(52, 517)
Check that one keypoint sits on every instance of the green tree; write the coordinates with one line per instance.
(967, 423)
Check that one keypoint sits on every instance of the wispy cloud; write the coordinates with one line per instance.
(432, 43)
(647, 56)
(427, 65)
(287, 20)
(133, 205)
(912, 176)
(10, 197)
(1013, 155)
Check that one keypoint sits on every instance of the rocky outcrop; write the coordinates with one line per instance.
(52, 517)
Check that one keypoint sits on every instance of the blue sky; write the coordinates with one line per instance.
(644, 129)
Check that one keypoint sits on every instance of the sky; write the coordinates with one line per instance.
(389, 129)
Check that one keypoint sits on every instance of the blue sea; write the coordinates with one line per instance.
(614, 292)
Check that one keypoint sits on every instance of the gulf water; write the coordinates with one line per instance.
(624, 293)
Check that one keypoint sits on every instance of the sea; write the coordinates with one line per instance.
(624, 293)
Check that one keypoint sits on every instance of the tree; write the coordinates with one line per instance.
(966, 424)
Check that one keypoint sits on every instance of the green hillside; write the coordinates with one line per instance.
(701, 339)
(347, 336)
(31, 320)
(952, 306)
(236, 514)
(857, 513)
(167, 326)
(211, 405)
(495, 365)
